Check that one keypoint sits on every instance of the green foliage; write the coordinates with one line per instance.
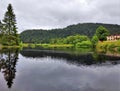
(9, 21)
(102, 33)
(8, 29)
(75, 39)
(108, 46)
(57, 41)
(70, 39)
(44, 36)
(79, 41)
(84, 44)
(49, 46)
(94, 40)
(8, 40)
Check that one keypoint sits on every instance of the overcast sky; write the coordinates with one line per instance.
(47, 14)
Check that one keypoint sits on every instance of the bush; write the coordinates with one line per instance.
(94, 41)
(84, 44)
(108, 46)
(9, 40)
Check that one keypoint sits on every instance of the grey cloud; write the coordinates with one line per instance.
(60, 13)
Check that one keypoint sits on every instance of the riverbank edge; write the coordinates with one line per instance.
(105, 46)
(108, 46)
(9, 47)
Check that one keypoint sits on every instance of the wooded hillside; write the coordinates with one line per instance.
(44, 36)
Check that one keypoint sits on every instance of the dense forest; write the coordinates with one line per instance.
(44, 36)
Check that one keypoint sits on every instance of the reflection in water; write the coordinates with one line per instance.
(78, 59)
(8, 60)
(49, 70)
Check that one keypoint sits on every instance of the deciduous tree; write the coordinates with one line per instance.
(102, 33)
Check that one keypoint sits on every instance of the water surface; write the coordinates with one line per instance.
(48, 70)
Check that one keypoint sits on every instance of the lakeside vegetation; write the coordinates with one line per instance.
(97, 43)
(48, 46)
(76, 41)
(108, 46)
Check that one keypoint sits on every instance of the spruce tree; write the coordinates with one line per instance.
(9, 22)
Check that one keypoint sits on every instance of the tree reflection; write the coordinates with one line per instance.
(77, 59)
(8, 60)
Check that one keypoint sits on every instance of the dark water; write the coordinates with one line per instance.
(43, 70)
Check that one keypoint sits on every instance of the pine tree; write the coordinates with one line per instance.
(10, 21)
(10, 29)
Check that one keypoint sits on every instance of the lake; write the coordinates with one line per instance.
(51, 70)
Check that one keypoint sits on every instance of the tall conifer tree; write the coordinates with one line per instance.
(9, 24)
(10, 21)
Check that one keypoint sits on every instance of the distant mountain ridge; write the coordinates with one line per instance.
(43, 36)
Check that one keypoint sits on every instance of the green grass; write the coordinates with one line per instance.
(48, 45)
(108, 46)
(9, 47)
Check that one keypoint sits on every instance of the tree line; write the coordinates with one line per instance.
(74, 41)
(83, 41)
(45, 36)
(8, 28)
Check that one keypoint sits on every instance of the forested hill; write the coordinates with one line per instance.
(43, 36)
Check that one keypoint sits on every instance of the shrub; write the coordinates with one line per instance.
(94, 41)
(84, 44)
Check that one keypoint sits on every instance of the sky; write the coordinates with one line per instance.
(50, 14)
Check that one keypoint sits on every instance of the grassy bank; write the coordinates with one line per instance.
(10, 47)
(84, 45)
(69, 48)
(104, 47)
(108, 46)
(52, 46)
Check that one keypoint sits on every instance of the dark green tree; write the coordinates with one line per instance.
(10, 21)
(2, 28)
(10, 29)
(102, 33)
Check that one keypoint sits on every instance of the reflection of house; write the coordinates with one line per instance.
(113, 37)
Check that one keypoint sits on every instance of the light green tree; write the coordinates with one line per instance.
(102, 33)
(94, 40)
